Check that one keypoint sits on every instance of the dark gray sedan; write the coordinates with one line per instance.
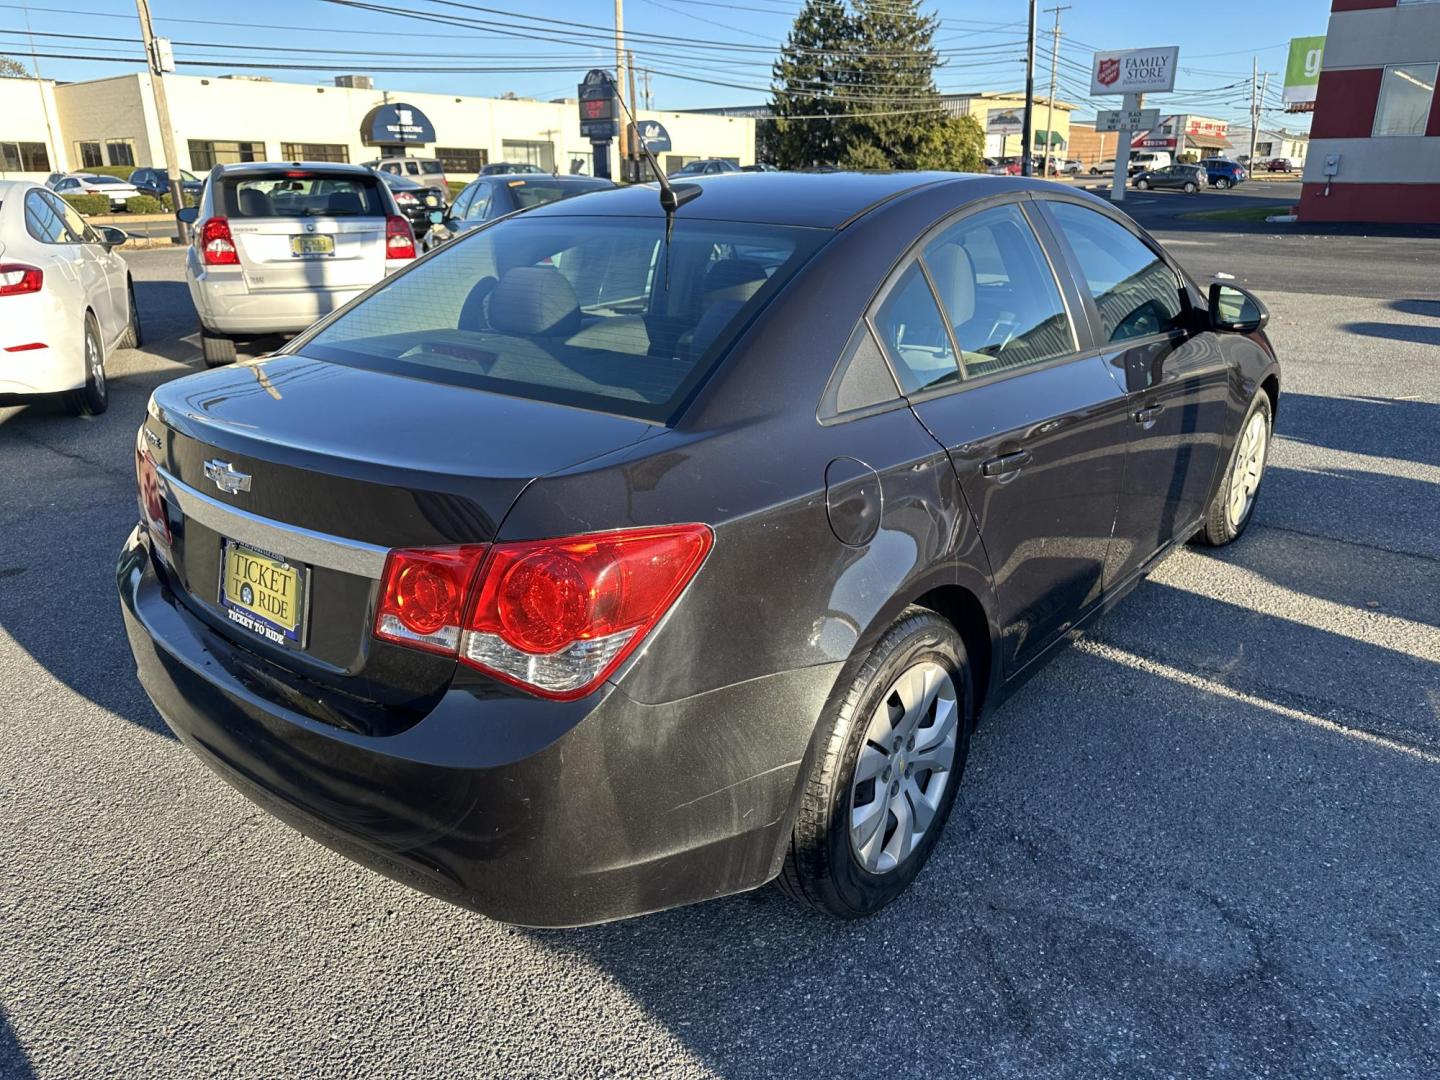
(623, 554)
(491, 197)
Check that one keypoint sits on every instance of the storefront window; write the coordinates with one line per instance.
(459, 160)
(121, 152)
(527, 152)
(1406, 94)
(24, 157)
(88, 154)
(205, 154)
(292, 151)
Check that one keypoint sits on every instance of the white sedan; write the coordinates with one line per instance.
(66, 299)
(112, 187)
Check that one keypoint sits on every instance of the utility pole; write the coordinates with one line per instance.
(620, 81)
(1254, 112)
(1050, 112)
(635, 148)
(162, 116)
(1027, 167)
(649, 97)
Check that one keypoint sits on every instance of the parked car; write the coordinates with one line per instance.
(513, 168)
(66, 299)
(491, 197)
(117, 190)
(1223, 173)
(1103, 168)
(415, 201)
(1072, 167)
(156, 182)
(428, 171)
(1186, 178)
(706, 167)
(608, 560)
(276, 246)
(1280, 164)
(760, 166)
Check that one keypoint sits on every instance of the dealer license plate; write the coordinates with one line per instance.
(263, 593)
(312, 245)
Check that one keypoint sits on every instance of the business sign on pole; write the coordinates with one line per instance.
(396, 124)
(1135, 71)
(599, 118)
(1004, 122)
(1302, 73)
(653, 134)
(1127, 119)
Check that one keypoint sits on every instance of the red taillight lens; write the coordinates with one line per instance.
(152, 503)
(404, 198)
(399, 240)
(16, 279)
(216, 244)
(423, 596)
(554, 617)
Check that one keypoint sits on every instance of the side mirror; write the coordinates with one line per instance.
(437, 217)
(1236, 310)
(112, 237)
(188, 214)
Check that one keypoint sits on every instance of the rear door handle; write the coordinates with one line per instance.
(1148, 414)
(1005, 463)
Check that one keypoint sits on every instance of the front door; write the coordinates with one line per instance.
(1036, 433)
(1174, 374)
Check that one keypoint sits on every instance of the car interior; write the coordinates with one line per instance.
(303, 197)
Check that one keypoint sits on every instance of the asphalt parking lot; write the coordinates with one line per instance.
(1201, 842)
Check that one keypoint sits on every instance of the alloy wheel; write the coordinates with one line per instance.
(1249, 465)
(904, 766)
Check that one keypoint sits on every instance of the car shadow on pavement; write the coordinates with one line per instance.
(1139, 872)
(14, 1062)
(1377, 426)
(1418, 335)
(1428, 308)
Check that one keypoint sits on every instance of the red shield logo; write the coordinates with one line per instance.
(1108, 73)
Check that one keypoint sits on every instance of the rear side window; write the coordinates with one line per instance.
(431, 168)
(300, 194)
(1136, 292)
(591, 311)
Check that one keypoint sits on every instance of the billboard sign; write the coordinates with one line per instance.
(1134, 71)
(1127, 119)
(1302, 72)
(1004, 122)
(396, 124)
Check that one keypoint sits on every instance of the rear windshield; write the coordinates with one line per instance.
(589, 311)
(299, 194)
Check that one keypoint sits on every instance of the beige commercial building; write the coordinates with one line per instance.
(48, 127)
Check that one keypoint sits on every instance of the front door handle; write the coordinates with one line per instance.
(1148, 414)
(1005, 463)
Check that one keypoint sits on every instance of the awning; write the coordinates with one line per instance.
(1206, 142)
(1052, 137)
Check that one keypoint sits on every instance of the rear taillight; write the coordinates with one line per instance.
(216, 244)
(16, 279)
(404, 198)
(399, 240)
(553, 617)
(147, 482)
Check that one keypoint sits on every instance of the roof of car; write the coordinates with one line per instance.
(817, 200)
(266, 168)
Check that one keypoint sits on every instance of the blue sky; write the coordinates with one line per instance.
(692, 45)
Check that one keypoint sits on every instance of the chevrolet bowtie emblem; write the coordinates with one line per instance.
(227, 478)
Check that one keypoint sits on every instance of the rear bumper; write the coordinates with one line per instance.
(539, 813)
(226, 304)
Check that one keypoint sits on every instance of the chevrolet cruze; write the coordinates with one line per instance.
(647, 547)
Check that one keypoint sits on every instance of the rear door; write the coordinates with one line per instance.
(987, 346)
(297, 229)
(1175, 376)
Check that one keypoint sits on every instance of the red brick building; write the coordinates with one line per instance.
(1376, 113)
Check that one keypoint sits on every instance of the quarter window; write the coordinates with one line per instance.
(1406, 94)
(1136, 292)
(913, 331)
(999, 293)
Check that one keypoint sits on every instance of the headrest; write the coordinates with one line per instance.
(954, 276)
(733, 279)
(254, 203)
(534, 300)
(717, 316)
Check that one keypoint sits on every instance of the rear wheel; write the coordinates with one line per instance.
(219, 350)
(93, 398)
(1143, 185)
(134, 337)
(879, 794)
(1234, 503)
(1190, 187)
(1222, 183)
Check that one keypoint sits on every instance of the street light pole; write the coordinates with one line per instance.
(162, 116)
(1027, 167)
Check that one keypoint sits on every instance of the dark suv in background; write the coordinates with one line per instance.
(1224, 173)
(154, 182)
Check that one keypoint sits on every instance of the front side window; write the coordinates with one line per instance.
(590, 311)
(43, 222)
(479, 204)
(79, 231)
(1136, 292)
(1407, 92)
(999, 293)
(912, 330)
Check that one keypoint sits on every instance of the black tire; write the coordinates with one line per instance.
(219, 350)
(821, 868)
(93, 398)
(134, 337)
(1219, 529)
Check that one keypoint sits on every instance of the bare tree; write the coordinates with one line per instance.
(12, 69)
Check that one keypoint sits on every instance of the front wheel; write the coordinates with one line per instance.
(1233, 505)
(93, 398)
(878, 795)
(1222, 183)
(1142, 185)
(1190, 187)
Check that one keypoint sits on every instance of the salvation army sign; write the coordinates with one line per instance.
(1135, 71)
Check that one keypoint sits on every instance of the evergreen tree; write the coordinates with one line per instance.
(810, 79)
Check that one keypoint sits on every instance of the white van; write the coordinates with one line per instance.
(1145, 160)
(427, 171)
